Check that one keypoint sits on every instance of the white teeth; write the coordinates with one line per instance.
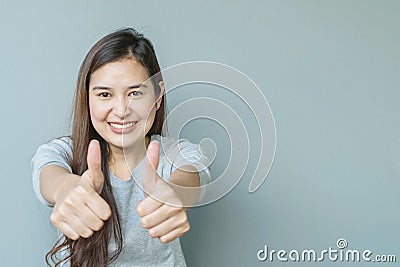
(122, 126)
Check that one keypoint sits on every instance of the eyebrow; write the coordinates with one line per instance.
(129, 87)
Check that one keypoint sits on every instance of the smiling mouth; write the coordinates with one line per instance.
(122, 125)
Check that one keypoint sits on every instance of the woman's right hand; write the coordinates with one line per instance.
(79, 210)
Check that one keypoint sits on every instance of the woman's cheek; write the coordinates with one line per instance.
(150, 119)
(98, 114)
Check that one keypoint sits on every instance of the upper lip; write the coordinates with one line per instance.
(122, 123)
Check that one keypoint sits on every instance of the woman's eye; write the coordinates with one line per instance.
(104, 94)
(135, 93)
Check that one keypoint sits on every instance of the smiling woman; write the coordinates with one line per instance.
(90, 178)
(119, 104)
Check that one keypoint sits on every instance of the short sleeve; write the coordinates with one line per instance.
(56, 152)
(182, 152)
(189, 154)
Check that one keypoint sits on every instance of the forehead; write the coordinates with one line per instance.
(124, 72)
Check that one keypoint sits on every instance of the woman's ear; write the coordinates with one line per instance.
(159, 99)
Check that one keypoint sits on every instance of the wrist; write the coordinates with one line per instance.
(69, 182)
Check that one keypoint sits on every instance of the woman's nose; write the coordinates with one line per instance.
(122, 108)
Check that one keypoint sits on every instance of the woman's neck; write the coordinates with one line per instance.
(124, 161)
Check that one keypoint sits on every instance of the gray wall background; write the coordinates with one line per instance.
(329, 69)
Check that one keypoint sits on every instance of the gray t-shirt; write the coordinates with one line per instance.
(139, 248)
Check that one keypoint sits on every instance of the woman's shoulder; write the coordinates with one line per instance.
(179, 152)
(63, 142)
(60, 146)
(174, 149)
(168, 143)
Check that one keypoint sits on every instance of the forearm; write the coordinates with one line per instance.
(54, 179)
(187, 181)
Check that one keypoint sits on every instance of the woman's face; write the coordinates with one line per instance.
(122, 106)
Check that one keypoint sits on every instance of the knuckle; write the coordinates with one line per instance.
(80, 189)
(54, 218)
(67, 213)
(90, 192)
(76, 191)
(69, 201)
(172, 210)
(62, 211)
(174, 200)
(74, 198)
(178, 202)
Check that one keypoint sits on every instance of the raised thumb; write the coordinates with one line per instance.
(150, 176)
(94, 165)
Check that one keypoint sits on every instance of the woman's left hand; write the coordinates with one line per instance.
(162, 212)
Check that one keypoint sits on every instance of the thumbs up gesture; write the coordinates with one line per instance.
(79, 209)
(163, 220)
(94, 166)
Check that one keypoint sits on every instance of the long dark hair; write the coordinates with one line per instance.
(120, 44)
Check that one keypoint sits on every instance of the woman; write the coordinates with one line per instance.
(105, 217)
